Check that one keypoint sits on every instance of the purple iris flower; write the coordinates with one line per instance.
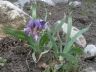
(34, 27)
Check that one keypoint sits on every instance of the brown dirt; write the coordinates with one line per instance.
(17, 53)
(19, 57)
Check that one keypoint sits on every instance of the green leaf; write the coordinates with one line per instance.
(57, 26)
(43, 40)
(34, 14)
(21, 35)
(71, 59)
(76, 51)
(46, 15)
(58, 66)
(16, 33)
(32, 43)
(67, 47)
(47, 69)
(54, 45)
(69, 28)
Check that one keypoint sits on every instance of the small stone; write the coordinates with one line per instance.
(43, 65)
(90, 51)
(22, 3)
(54, 2)
(50, 2)
(75, 3)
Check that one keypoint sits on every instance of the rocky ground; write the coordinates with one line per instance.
(18, 55)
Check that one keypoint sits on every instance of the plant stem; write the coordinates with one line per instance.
(58, 35)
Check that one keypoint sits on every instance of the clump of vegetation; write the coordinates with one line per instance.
(43, 39)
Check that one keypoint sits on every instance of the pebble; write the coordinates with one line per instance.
(75, 3)
(90, 51)
(54, 2)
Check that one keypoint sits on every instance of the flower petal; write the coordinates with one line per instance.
(33, 27)
(27, 31)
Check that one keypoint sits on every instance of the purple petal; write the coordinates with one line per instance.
(27, 31)
(42, 23)
(39, 23)
(36, 24)
(30, 23)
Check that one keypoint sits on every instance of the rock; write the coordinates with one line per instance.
(54, 2)
(12, 16)
(81, 41)
(75, 3)
(21, 3)
(43, 65)
(6, 5)
(90, 51)
(50, 2)
(89, 69)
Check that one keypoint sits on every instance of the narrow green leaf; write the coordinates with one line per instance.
(16, 33)
(47, 69)
(43, 40)
(71, 59)
(46, 15)
(76, 51)
(34, 14)
(54, 45)
(31, 42)
(57, 26)
(69, 28)
(70, 43)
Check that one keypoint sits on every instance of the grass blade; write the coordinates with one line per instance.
(43, 40)
(31, 42)
(70, 43)
(56, 27)
(54, 45)
(33, 10)
(15, 33)
(69, 28)
(46, 15)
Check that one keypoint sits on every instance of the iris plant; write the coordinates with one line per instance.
(34, 27)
